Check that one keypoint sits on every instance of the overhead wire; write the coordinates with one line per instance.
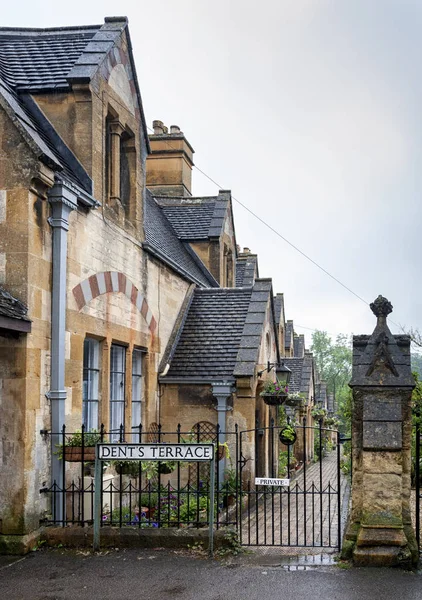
(271, 228)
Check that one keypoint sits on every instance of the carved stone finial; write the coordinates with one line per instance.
(381, 307)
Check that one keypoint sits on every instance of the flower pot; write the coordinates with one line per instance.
(273, 399)
(287, 440)
(74, 453)
(165, 469)
(128, 468)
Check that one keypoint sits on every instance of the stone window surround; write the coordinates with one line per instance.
(119, 139)
(104, 381)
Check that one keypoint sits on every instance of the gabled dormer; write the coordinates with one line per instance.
(83, 79)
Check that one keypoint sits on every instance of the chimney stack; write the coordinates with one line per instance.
(169, 166)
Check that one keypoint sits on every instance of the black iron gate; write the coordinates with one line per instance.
(305, 513)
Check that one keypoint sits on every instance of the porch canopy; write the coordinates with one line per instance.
(13, 315)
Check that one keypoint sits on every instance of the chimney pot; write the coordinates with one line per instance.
(175, 129)
(158, 127)
(246, 251)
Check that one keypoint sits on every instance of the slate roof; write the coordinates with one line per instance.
(246, 270)
(210, 340)
(50, 60)
(41, 59)
(321, 394)
(162, 241)
(299, 345)
(195, 219)
(221, 334)
(46, 144)
(12, 307)
(289, 335)
(302, 369)
(240, 271)
(248, 355)
(278, 307)
(190, 222)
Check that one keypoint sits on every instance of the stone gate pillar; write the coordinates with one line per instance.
(380, 531)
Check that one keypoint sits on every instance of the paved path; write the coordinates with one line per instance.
(301, 516)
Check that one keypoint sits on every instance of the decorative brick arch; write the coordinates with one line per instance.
(109, 282)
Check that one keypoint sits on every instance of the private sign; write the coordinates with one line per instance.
(272, 481)
(183, 452)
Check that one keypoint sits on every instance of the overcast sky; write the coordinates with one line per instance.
(310, 112)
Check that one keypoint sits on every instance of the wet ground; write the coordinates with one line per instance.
(161, 574)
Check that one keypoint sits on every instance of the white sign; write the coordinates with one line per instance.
(184, 452)
(272, 481)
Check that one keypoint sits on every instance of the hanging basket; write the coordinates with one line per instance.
(273, 399)
(287, 439)
(128, 467)
(164, 469)
(74, 453)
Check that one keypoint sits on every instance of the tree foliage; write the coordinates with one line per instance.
(417, 363)
(334, 364)
(415, 336)
(333, 360)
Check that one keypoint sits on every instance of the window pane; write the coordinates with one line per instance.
(117, 360)
(136, 415)
(137, 362)
(117, 388)
(117, 417)
(90, 415)
(90, 384)
(136, 389)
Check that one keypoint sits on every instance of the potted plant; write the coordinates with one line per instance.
(151, 468)
(274, 393)
(295, 399)
(126, 467)
(229, 487)
(74, 450)
(221, 447)
(319, 414)
(332, 422)
(288, 435)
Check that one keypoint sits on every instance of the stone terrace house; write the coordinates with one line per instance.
(118, 302)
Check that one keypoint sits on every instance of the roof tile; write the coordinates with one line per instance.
(209, 343)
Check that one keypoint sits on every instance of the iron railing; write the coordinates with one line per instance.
(135, 494)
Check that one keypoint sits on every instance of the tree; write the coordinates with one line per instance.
(415, 336)
(333, 361)
(416, 360)
(334, 366)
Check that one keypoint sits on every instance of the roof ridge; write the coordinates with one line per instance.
(50, 29)
(224, 289)
(186, 198)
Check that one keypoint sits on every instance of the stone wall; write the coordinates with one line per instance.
(103, 240)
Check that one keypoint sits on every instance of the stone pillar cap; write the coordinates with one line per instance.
(382, 359)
